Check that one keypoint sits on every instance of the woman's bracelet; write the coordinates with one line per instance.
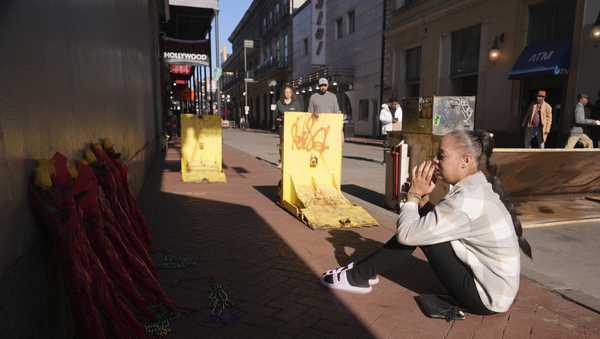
(411, 195)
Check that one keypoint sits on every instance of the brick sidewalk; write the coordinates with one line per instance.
(270, 263)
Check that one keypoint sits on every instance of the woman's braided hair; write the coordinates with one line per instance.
(481, 144)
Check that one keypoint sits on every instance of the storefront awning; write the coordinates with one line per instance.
(542, 58)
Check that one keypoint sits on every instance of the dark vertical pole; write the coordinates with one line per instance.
(196, 82)
(210, 71)
(200, 88)
(192, 91)
(383, 27)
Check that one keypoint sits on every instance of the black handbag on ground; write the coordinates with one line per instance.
(439, 307)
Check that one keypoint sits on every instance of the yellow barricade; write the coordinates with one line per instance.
(201, 149)
(312, 173)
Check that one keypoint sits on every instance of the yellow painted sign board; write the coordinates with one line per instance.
(312, 173)
(201, 149)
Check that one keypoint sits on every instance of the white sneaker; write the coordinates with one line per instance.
(372, 282)
(339, 281)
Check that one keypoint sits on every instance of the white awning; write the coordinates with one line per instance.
(214, 4)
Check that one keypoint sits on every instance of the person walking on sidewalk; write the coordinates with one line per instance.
(471, 238)
(287, 103)
(577, 133)
(538, 121)
(323, 101)
(390, 114)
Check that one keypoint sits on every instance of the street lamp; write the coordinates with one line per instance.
(596, 29)
(494, 53)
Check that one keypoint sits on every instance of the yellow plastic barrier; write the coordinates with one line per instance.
(201, 149)
(312, 171)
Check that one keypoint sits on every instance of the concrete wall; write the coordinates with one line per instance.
(71, 72)
(361, 51)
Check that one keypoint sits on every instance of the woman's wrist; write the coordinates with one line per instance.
(413, 196)
(415, 192)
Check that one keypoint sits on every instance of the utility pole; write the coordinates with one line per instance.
(218, 61)
(246, 87)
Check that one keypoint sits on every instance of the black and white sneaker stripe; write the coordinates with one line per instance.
(372, 282)
(339, 281)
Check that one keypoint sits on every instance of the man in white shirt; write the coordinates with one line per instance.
(390, 114)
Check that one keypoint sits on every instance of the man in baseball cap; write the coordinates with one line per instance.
(323, 101)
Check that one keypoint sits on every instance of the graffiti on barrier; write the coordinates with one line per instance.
(306, 137)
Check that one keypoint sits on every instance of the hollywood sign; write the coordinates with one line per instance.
(186, 57)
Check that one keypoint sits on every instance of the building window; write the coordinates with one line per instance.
(285, 48)
(413, 71)
(351, 22)
(277, 11)
(285, 7)
(305, 46)
(363, 110)
(413, 65)
(264, 24)
(465, 52)
(413, 90)
(375, 105)
(551, 20)
(339, 28)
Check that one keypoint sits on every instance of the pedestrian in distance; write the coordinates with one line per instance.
(595, 134)
(323, 101)
(577, 133)
(287, 103)
(390, 114)
(538, 121)
(471, 237)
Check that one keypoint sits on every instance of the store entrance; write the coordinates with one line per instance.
(556, 88)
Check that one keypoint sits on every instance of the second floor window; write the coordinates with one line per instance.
(305, 46)
(551, 20)
(285, 48)
(339, 28)
(351, 22)
(413, 65)
(464, 60)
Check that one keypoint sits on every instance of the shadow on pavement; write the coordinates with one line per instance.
(274, 291)
(412, 273)
(362, 159)
(365, 194)
(172, 166)
(270, 192)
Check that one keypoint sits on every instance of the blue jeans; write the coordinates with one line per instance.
(533, 133)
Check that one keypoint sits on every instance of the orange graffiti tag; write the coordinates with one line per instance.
(305, 139)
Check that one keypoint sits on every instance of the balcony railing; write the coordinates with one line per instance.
(270, 64)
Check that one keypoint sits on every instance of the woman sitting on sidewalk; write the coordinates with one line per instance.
(471, 238)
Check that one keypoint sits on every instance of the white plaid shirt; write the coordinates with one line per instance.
(480, 229)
